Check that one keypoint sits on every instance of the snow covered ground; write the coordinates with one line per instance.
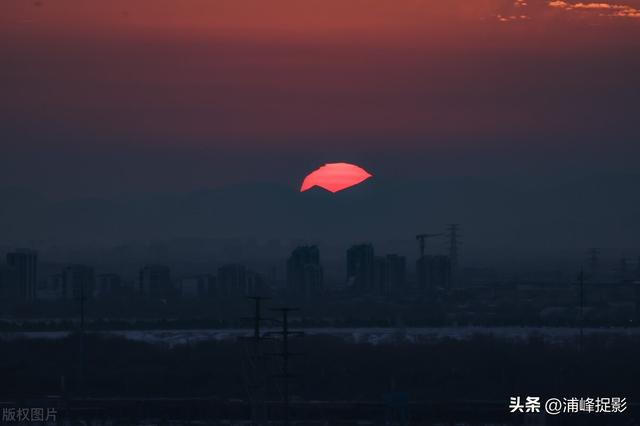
(372, 336)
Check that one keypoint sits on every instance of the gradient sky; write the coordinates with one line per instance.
(119, 96)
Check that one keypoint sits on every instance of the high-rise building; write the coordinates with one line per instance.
(50, 288)
(380, 279)
(155, 282)
(433, 272)
(396, 273)
(8, 283)
(198, 286)
(78, 281)
(24, 263)
(360, 267)
(109, 286)
(304, 272)
(389, 274)
(210, 281)
(232, 280)
(256, 284)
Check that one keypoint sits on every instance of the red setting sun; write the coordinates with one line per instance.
(335, 177)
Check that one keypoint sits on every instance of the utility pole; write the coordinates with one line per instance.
(285, 354)
(257, 319)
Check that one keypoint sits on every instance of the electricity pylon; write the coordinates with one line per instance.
(285, 374)
(257, 377)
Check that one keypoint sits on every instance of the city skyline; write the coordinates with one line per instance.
(365, 271)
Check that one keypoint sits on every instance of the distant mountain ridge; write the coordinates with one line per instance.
(600, 211)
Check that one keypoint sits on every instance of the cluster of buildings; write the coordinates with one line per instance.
(19, 282)
(366, 272)
(19, 279)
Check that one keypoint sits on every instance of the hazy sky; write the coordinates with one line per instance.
(108, 97)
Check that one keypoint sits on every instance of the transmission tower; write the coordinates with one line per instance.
(82, 300)
(452, 233)
(256, 387)
(285, 374)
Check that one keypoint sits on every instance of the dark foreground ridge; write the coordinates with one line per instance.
(337, 382)
(214, 411)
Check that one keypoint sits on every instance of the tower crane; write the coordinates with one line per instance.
(422, 238)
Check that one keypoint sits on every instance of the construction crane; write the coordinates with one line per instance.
(422, 238)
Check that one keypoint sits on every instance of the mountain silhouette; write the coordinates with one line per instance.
(498, 212)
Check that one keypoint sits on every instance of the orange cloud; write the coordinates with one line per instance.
(619, 10)
(510, 18)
